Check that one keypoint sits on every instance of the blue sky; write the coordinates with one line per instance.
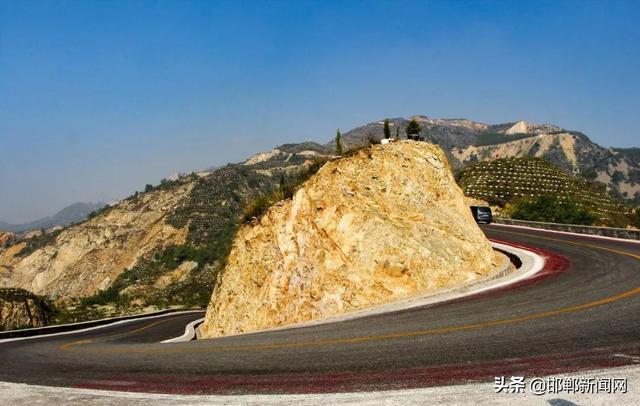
(98, 98)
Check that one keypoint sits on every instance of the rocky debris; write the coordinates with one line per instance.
(6, 238)
(386, 223)
(21, 309)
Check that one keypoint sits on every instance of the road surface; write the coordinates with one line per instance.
(580, 313)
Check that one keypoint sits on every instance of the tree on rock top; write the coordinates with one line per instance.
(413, 128)
(338, 142)
(387, 130)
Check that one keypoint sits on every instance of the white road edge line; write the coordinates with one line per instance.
(115, 323)
(600, 237)
(189, 333)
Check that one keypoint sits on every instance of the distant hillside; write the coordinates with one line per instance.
(507, 180)
(468, 141)
(161, 247)
(71, 214)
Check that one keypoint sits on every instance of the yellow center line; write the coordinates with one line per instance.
(406, 334)
(615, 251)
(105, 338)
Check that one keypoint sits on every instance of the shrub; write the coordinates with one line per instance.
(373, 140)
(492, 138)
(287, 187)
(548, 208)
(635, 218)
(387, 130)
(38, 241)
(338, 142)
(109, 295)
(413, 128)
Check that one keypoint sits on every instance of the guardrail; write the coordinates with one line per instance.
(37, 331)
(572, 228)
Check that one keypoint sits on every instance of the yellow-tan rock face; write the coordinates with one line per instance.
(386, 223)
(23, 313)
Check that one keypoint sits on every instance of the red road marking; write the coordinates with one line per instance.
(403, 378)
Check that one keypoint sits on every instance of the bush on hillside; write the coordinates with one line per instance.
(548, 208)
(493, 138)
(635, 218)
(259, 206)
(36, 242)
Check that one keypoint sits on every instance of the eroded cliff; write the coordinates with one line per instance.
(21, 309)
(386, 223)
(86, 258)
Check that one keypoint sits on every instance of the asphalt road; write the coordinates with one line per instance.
(581, 313)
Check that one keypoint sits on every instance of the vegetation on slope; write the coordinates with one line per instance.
(528, 183)
(258, 206)
(216, 206)
(492, 138)
(38, 241)
(547, 208)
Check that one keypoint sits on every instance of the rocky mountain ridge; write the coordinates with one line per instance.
(467, 141)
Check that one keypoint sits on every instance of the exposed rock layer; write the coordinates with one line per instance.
(21, 309)
(88, 257)
(384, 224)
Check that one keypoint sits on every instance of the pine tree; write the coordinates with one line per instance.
(413, 128)
(387, 131)
(397, 133)
(338, 142)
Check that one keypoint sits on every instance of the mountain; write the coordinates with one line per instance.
(467, 141)
(73, 213)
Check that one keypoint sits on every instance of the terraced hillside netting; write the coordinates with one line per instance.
(215, 203)
(504, 182)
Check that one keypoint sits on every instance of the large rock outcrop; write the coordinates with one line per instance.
(386, 223)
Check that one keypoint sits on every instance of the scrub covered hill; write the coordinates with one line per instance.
(510, 181)
(158, 248)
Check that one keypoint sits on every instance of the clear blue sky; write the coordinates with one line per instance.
(98, 98)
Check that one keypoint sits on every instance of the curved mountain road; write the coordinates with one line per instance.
(580, 313)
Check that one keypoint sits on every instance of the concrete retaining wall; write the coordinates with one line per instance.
(602, 231)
